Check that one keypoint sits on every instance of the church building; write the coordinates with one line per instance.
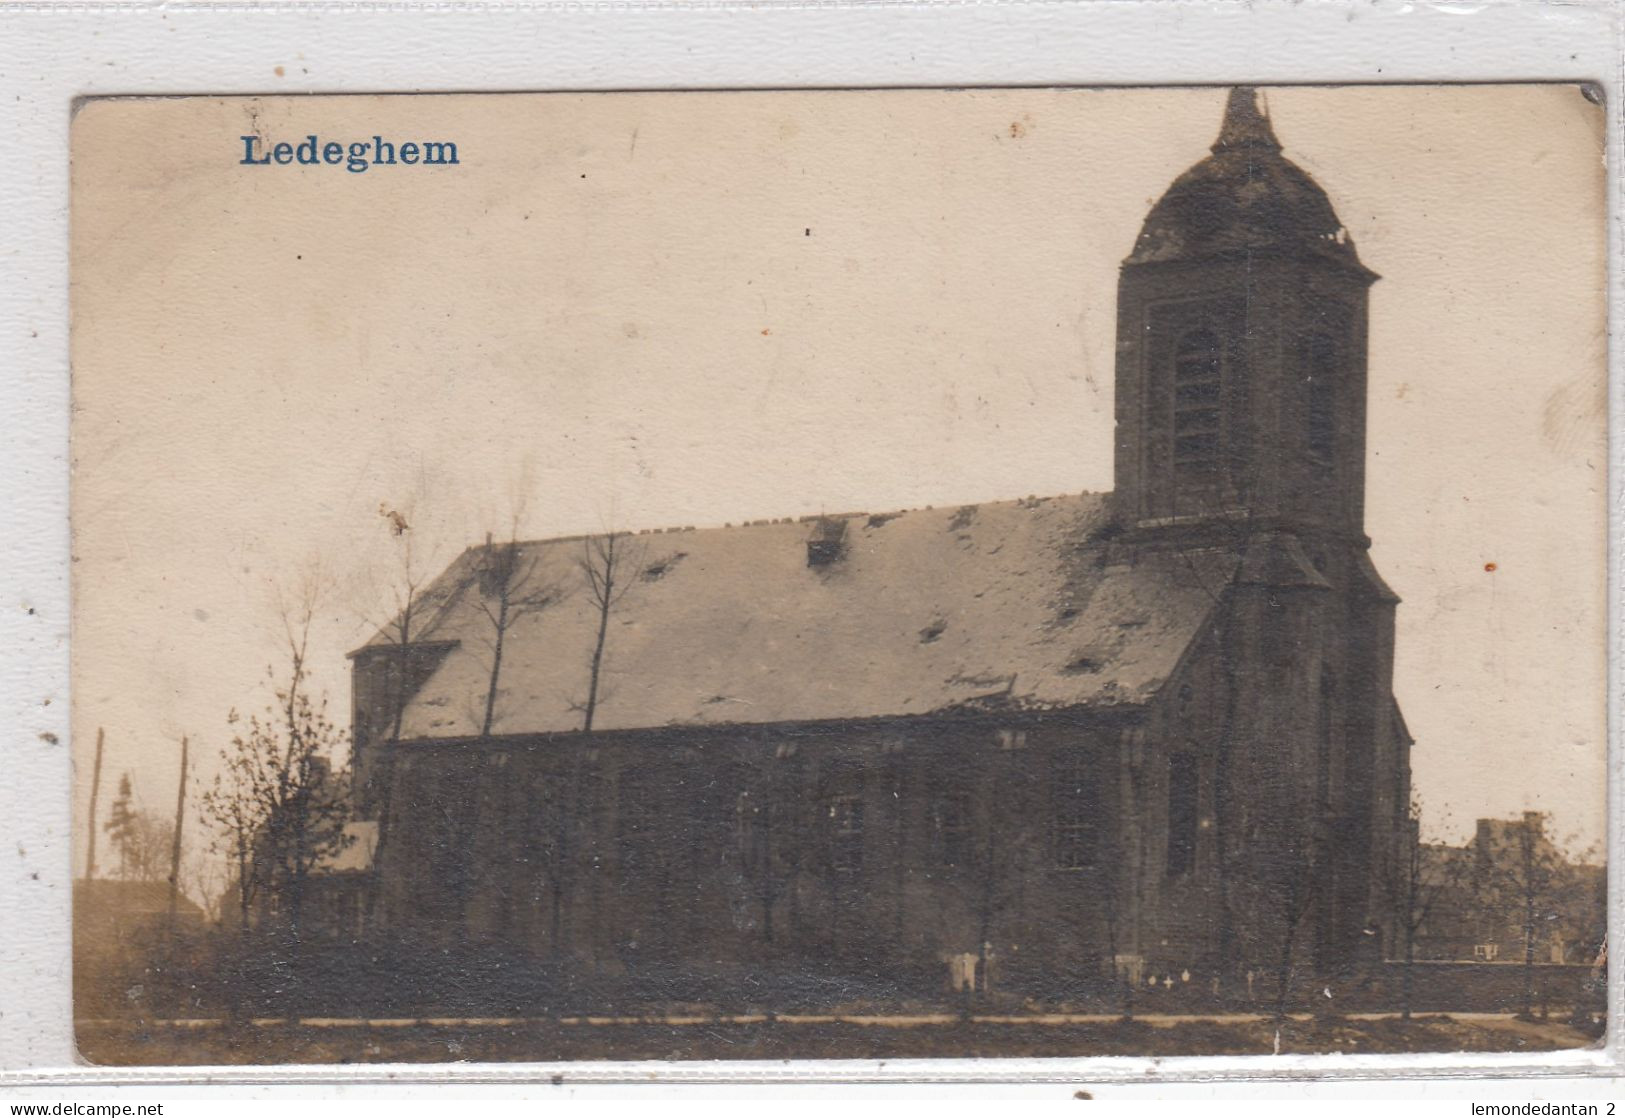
(1083, 735)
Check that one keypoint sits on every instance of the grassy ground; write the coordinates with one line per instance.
(545, 1041)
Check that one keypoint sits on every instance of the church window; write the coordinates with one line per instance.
(950, 820)
(752, 817)
(590, 799)
(1320, 377)
(1198, 376)
(1074, 813)
(760, 808)
(846, 834)
(1184, 786)
(635, 822)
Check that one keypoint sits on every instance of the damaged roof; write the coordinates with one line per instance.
(1010, 605)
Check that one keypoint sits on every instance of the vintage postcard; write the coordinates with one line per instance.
(917, 573)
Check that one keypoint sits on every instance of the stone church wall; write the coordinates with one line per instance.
(889, 845)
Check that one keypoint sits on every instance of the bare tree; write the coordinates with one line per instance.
(279, 806)
(1414, 883)
(276, 806)
(510, 589)
(1279, 889)
(400, 632)
(1524, 883)
(204, 878)
(608, 565)
(232, 806)
(141, 839)
(1295, 897)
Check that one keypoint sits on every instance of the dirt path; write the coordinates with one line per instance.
(801, 1036)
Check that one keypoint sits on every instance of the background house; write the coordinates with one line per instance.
(126, 942)
(1509, 889)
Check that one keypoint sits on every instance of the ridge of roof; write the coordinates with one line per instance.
(806, 518)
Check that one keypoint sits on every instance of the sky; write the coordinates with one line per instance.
(659, 309)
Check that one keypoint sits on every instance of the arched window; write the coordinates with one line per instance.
(1074, 811)
(845, 816)
(1198, 374)
(951, 822)
(1184, 812)
(1320, 379)
(638, 811)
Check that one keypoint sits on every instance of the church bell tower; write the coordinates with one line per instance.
(1241, 428)
(1241, 359)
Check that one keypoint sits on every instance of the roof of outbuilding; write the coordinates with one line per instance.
(129, 898)
(1009, 605)
(355, 851)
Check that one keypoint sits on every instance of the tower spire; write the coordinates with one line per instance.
(1246, 123)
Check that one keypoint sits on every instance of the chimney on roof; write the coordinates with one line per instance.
(827, 542)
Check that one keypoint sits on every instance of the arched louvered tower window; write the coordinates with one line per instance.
(1198, 386)
(1320, 377)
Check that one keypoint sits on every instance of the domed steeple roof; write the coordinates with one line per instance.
(1244, 198)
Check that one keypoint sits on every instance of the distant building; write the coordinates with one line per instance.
(1509, 889)
(1149, 732)
(338, 890)
(114, 917)
(124, 942)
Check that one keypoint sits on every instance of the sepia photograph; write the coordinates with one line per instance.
(887, 574)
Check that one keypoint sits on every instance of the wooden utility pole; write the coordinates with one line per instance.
(175, 844)
(95, 787)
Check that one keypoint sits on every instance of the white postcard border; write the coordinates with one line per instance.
(54, 55)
